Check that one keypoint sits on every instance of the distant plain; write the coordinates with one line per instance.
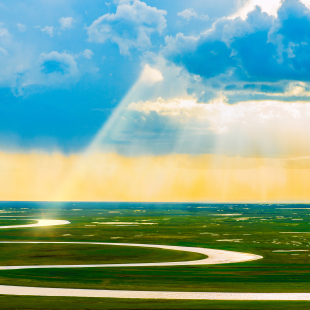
(280, 233)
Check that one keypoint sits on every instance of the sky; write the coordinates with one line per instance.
(131, 100)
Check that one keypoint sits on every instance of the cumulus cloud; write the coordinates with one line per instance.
(151, 75)
(267, 127)
(49, 30)
(21, 69)
(21, 27)
(3, 32)
(221, 115)
(261, 51)
(88, 54)
(66, 22)
(50, 69)
(62, 64)
(130, 27)
(268, 6)
(25, 68)
(188, 14)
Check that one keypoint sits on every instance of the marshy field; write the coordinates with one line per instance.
(279, 233)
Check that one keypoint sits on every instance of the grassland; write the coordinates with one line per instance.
(70, 254)
(279, 235)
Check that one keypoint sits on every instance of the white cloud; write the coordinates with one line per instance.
(203, 17)
(3, 32)
(150, 75)
(130, 27)
(188, 14)
(21, 27)
(66, 22)
(224, 117)
(50, 69)
(88, 54)
(49, 30)
(293, 89)
(174, 107)
(253, 128)
(22, 66)
(269, 6)
(55, 63)
(180, 43)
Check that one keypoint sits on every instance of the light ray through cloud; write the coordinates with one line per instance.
(145, 84)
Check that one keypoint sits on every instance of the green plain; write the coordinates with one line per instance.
(257, 229)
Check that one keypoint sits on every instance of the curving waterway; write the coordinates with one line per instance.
(40, 223)
(213, 257)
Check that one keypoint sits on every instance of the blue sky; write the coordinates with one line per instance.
(66, 65)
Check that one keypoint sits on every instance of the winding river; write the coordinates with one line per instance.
(213, 257)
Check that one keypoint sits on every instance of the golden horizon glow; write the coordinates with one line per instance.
(171, 178)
